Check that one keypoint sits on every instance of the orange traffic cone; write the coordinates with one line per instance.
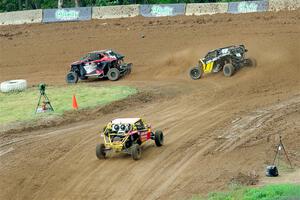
(75, 106)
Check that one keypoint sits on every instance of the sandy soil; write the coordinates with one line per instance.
(217, 129)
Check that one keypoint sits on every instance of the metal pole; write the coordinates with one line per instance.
(38, 103)
(48, 101)
(286, 155)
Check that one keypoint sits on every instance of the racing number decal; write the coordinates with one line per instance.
(208, 67)
(89, 68)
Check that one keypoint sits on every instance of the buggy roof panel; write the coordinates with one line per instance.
(125, 120)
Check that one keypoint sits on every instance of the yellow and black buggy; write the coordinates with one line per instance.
(229, 59)
(127, 135)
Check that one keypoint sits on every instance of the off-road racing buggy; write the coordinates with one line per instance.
(127, 135)
(99, 64)
(229, 59)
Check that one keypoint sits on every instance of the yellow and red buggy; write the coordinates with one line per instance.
(127, 135)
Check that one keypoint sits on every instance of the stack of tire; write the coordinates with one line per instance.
(13, 86)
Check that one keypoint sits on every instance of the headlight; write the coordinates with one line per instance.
(122, 127)
(115, 127)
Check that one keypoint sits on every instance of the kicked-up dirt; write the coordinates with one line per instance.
(217, 129)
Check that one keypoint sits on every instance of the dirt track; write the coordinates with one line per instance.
(215, 128)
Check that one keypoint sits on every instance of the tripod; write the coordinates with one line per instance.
(279, 147)
(46, 105)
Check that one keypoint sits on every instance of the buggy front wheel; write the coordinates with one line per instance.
(250, 62)
(195, 73)
(159, 138)
(100, 151)
(72, 77)
(128, 70)
(136, 151)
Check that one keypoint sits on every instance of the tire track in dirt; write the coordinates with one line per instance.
(253, 124)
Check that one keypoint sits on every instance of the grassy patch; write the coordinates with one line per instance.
(21, 106)
(269, 192)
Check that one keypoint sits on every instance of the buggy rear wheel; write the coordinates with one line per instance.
(250, 62)
(159, 138)
(113, 74)
(228, 70)
(72, 77)
(100, 151)
(136, 151)
(195, 73)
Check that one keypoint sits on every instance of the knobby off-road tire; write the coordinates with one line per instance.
(159, 138)
(195, 73)
(72, 77)
(13, 85)
(228, 70)
(128, 70)
(136, 151)
(100, 151)
(113, 74)
(251, 62)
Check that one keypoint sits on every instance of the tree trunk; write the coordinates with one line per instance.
(20, 4)
(26, 5)
(60, 3)
(77, 3)
(38, 4)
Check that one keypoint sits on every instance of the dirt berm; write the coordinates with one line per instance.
(217, 129)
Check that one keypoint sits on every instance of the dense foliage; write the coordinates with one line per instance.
(14, 5)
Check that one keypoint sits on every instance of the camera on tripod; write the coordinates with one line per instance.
(42, 88)
(44, 104)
